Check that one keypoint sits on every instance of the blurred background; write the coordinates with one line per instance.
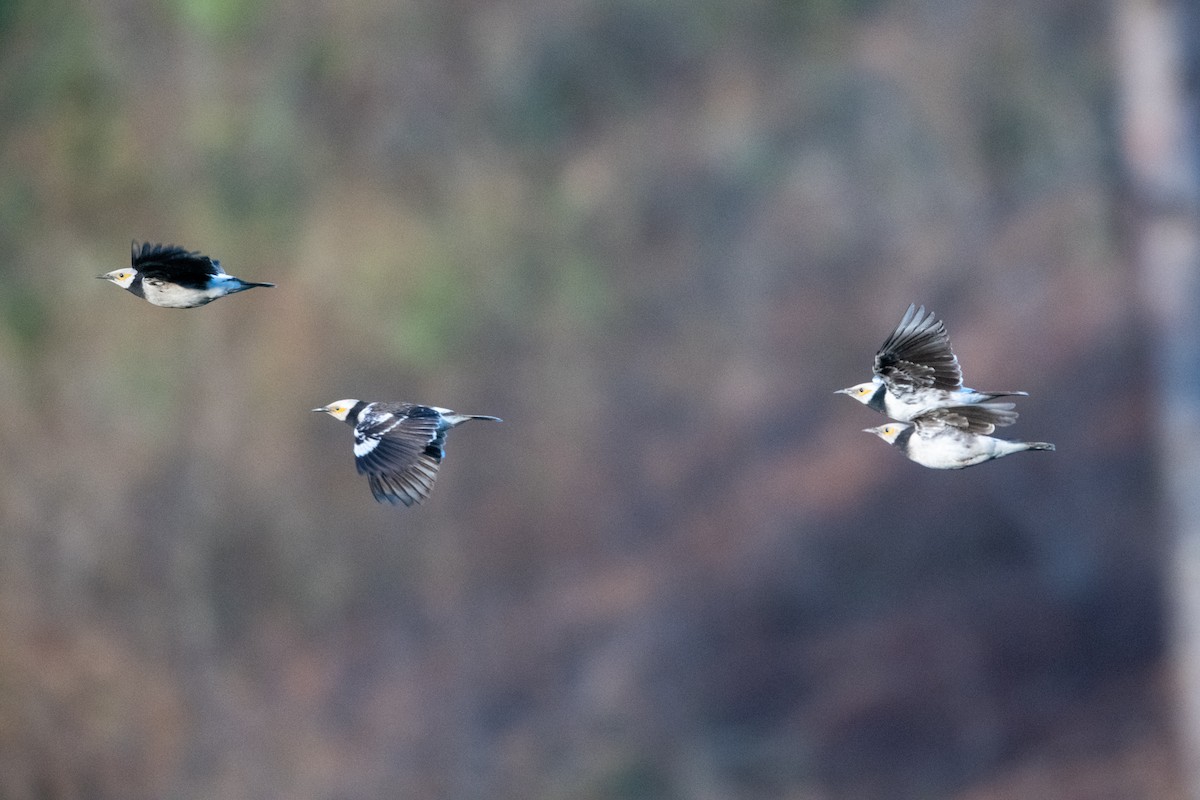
(653, 236)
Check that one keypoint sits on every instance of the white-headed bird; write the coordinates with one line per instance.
(916, 371)
(172, 277)
(398, 446)
(955, 437)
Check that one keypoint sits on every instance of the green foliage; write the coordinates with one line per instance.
(641, 779)
(9, 13)
(620, 59)
(433, 317)
(24, 314)
(217, 18)
(251, 160)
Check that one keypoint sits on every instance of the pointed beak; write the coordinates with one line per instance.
(102, 277)
(321, 409)
(841, 391)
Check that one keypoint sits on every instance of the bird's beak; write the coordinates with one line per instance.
(321, 409)
(102, 277)
(870, 430)
(841, 391)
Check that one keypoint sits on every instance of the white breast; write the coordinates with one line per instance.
(170, 295)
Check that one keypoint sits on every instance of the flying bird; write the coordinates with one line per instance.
(916, 372)
(955, 437)
(172, 277)
(398, 446)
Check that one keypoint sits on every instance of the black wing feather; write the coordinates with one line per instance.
(978, 418)
(393, 453)
(917, 355)
(173, 262)
(406, 488)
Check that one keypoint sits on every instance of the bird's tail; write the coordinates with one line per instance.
(453, 420)
(983, 397)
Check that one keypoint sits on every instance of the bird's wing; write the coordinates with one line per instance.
(405, 488)
(173, 262)
(400, 452)
(981, 418)
(918, 356)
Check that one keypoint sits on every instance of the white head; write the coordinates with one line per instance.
(339, 409)
(888, 432)
(862, 392)
(123, 277)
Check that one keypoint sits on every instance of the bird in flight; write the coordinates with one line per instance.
(398, 446)
(172, 277)
(955, 437)
(916, 372)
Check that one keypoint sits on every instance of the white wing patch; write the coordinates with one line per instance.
(364, 446)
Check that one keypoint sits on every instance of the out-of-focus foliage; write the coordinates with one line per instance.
(654, 237)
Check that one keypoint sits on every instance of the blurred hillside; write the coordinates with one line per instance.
(653, 236)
